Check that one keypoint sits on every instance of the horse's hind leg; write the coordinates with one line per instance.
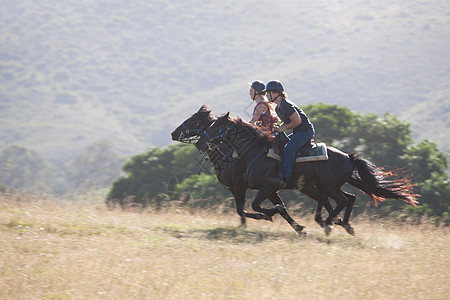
(351, 201)
(318, 214)
(314, 193)
(341, 201)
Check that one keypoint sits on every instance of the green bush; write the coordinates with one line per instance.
(201, 186)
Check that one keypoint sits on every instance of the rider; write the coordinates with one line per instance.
(262, 114)
(293, 118)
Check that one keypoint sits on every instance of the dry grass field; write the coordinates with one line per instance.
(81, 250)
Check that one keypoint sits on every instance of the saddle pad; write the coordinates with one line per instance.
(319, 153)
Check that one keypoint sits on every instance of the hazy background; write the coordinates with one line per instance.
(73, 73)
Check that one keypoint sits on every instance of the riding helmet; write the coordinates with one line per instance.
(274, 85)
(258, 85)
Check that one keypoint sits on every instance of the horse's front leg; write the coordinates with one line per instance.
(281, 208)
(262, 195)
(239, 198)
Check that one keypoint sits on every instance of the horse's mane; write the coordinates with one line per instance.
(263, 135)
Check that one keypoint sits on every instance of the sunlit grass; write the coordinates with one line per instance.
(84, 251)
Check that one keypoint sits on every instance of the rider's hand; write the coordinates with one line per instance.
(278, 129)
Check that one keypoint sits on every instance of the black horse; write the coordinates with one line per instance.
(318, 180)
(230, 170)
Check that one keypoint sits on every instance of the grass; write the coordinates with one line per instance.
(84, 251)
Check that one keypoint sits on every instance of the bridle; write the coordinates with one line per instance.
(190, 136)
(214, 141)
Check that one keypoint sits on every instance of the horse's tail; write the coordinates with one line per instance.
(375, 182)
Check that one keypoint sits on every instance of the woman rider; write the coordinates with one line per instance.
(293, 118)
(262, 114)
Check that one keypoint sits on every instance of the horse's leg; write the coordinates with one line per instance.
(318, 214)
(281, 208)
(239, 198)
(351, 201)
(262, 194)
(341, 201)
(314, 193)
(258, 216)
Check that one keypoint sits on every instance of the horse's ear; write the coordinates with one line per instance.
(227, 115)
(204, 108)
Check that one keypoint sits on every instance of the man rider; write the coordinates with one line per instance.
(293, 118)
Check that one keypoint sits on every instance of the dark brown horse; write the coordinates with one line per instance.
(230, 170)
(318, 180)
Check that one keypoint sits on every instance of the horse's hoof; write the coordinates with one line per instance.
(298, 228)
(337, 221)
(319, 220)
(321, 223)
(301, 234)
(328, 230)
(349, 229)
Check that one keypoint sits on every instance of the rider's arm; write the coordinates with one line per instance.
(258, 112)
(295, 121)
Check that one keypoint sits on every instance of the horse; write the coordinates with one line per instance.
(230, 171)
(316, 179)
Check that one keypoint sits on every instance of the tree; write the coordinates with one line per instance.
(148, 174)
(203, 188)
(97, 166)
(435, 192)
(25, 169)
(331, 122)
(383, 140)
(425, 159)
(429, 166)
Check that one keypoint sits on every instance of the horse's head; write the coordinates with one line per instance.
(215, 133)
(193, 126)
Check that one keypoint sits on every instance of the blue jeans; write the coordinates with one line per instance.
(297, 141)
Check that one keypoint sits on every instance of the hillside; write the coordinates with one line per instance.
(76, 72)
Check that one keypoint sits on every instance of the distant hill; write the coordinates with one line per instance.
(76, 72)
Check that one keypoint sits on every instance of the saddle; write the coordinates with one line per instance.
(311, 151)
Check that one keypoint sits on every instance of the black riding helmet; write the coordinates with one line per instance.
(274, 85)
(258, 85)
